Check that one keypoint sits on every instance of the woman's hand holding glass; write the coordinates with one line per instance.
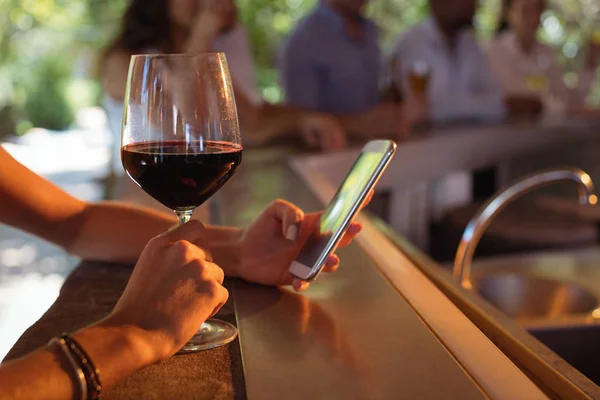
(173, 289)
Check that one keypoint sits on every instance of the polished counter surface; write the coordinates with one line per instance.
(352, 335)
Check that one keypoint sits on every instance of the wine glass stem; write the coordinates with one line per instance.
(184, 216)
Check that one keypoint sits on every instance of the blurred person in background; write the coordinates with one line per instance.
(461, 85)
(528, 71)
(331, 63)
(192, 26)
(234, 41)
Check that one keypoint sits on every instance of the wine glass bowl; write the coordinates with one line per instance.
(181, 175)
(181, 141)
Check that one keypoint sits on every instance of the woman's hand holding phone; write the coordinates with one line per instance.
(354, 192)
(268, 245)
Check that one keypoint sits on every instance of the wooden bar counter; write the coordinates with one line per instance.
(376, 329)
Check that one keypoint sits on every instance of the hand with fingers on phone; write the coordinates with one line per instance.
(268, 245)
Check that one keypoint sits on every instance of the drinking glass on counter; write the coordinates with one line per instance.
(181, 142)
(390, 91)
(595, 37)
(418, 78)
(538, 82)
(417, 105)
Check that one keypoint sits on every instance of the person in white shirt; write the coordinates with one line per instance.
(192, 27)
(461, 85)
(528, 70)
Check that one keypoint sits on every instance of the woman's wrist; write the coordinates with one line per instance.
(227, 255)
(111, 340)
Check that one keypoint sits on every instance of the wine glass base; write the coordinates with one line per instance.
(213, 333)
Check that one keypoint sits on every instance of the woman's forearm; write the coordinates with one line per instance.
(35, 205)
(47, 375)
(117, 232)
(105, 231)
(43, 375)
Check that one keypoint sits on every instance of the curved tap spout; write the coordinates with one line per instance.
(483, 218)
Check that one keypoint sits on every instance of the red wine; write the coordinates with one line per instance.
(181, 175)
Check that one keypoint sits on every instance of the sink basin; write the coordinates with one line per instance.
(579, 346)
(522, 296)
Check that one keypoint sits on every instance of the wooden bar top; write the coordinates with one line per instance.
(352, 335)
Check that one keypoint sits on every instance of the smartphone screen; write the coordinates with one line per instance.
(363, 175)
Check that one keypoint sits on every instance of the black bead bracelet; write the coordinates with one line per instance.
(91, 373)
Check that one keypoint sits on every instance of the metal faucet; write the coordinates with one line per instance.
(485, 215)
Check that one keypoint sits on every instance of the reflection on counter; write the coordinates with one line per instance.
(303, 318)
(314, 332)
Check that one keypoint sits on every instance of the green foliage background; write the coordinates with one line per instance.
(48, 48)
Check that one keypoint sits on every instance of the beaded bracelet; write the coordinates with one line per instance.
(77, 371)
(91, 373)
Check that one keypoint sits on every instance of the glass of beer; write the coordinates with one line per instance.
(418, 78)
(537, 81)
(596, 35)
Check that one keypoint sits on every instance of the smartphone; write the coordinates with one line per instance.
(364, 174)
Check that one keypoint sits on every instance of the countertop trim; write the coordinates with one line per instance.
(550, 371)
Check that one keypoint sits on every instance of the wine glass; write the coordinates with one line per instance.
(181, 142)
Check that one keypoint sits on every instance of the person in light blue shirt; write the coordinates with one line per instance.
(332, 63)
